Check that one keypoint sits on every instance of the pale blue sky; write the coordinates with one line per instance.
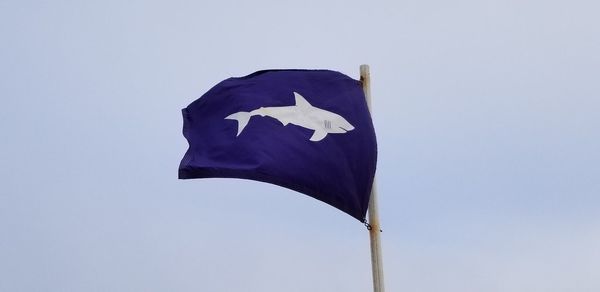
(486, 114)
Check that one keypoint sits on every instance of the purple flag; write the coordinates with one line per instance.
(306, 130)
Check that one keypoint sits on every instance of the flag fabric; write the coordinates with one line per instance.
(305, 130)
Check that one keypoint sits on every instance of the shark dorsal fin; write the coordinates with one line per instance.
(301, 101)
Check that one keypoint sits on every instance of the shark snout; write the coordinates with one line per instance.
(346, 128)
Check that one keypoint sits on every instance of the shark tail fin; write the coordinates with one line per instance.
(242, 118)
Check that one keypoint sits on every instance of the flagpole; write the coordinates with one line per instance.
(374, 226)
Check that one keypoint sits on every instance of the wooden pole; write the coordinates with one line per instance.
(374, 226)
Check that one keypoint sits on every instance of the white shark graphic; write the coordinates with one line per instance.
(302, 114)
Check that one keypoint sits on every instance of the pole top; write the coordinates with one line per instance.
(364, 70)
(365, 79)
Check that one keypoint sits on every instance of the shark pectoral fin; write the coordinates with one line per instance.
(318, 135)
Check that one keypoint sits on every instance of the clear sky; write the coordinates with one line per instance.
(487, 116)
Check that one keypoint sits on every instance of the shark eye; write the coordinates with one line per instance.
(327, 124)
